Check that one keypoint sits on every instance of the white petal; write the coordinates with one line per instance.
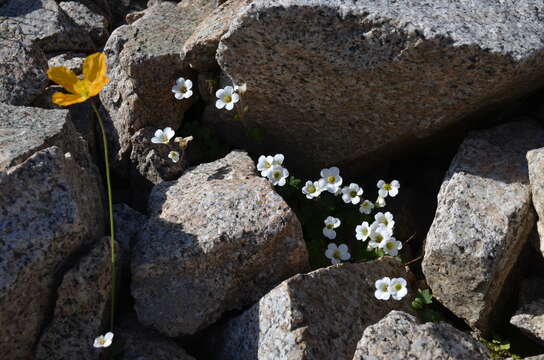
(188, 84)
(395, 184)
(335, 261)
(180, 81)
(343, 248)
(229, 90)
(219, 93)
(179, 96)
(169, 133)
(382, 193)
(219, 104)
(229, 106)
(329, 252)
(393, 192)
(235, 98)
(189, 93)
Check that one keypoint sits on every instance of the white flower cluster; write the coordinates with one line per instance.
(103, 341)
(163, 137)
(380, 233)
(271, 167)
(390, 288)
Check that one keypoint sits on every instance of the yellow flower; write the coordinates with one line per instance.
(94, 79)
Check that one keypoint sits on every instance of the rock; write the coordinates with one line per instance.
(128, 223)
(483, 219)
(44, 23)
(218, 238)
(140, 344)
(50, 208)
(366, 79)
(88, 16)
(199, 50)
(82, 308)
(320, 315)
(529, 317)
(23, 68)
(144, 63)
(150, 161)
(71, 61)
(535, 158)
(400, 336)
(120, 8)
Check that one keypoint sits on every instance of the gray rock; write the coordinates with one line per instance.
(50, 208)
(23, 68)
(535, 158)
(399, 336)
(81, 310)
(359, 80)
(529, 317)
(88, 16)
(139, 344)
(482, 221)
(71, 61)
(144, 63)
(44, 23)
(199, 50)
(218, 238)
(128, 223)
(320, 315)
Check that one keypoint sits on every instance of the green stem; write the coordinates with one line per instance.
(110, 205)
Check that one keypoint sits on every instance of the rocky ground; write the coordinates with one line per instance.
(214, 262)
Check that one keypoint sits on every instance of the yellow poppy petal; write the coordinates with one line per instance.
(63, 99)
(97, 85)
(94, 67)
(62, 76)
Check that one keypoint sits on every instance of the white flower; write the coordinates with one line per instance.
(380, 202)
(382, 288)
(163, 136)
(226, 98)
(240, 89)
(337, 254)
(264, 164)
(313, 189)
(386, 219)
(362, 232)
(331, 223)
(352, 194)
(391, 189)
(366, 207)
(103, 341)
(378, 233)
(277, 175)
(174, 156)
(332, 179)
(391, 246)
(182, 89)
(397, 288)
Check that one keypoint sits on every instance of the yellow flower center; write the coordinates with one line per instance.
(384, 221)
(379, 238)
(330, 226)
(102, 341)
(385, 287)
(390, 245)
(336, 254)
(82, 87)
(267, 165)
(353, 193)
(277, 175)
(183, 89)
(331, 179)
(227, 99)
(398, 287)
(387, 187)
(311, 189)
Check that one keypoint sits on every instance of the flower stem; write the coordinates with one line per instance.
(110, 206)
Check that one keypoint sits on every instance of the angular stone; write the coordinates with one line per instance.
(529, 317)
(81, 310)
(535, 158)
(317, 316)
(360, 80)
(88, 16)
(199, 50)
(71, 61)
(23, 67)
(50, 208)
(144, 63)
(128, 223)
(218, 239)
(400, 336)
(483, 219)
(44, 23)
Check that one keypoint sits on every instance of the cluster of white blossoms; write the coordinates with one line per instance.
(271, 167)
(390, 288)
(103, 341)
(165, 135)
(380, 233)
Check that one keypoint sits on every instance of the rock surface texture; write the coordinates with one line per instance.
(366, 77)
(529, 317)
(482, 221)
(143, 345)
(144, 63)
(535, 158)
(318, 316)
(218, 238)
(400, 336)
(81, 309)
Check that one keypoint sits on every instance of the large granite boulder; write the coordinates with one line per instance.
(218, 239)
(87, 15)
(535, 159)
(81, 308)
(483, 219)
(361, 79)
(144, 63)
(315, 316)
(400, 336)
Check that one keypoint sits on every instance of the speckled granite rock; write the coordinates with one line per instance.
(128, 223)
(199, 50)
(482, 221)
(535, 158)
(81, 309)
(317, 316)
(44, 23)
(71, 61)
(87, 15)
(50, 208)
(529, 317)
(23, 67)
(218, 238)
(362, 79)
(144, 63)
(400, 336)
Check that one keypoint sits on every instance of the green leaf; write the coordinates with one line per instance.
(294, 182)
(425, 295)
(417, 304)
